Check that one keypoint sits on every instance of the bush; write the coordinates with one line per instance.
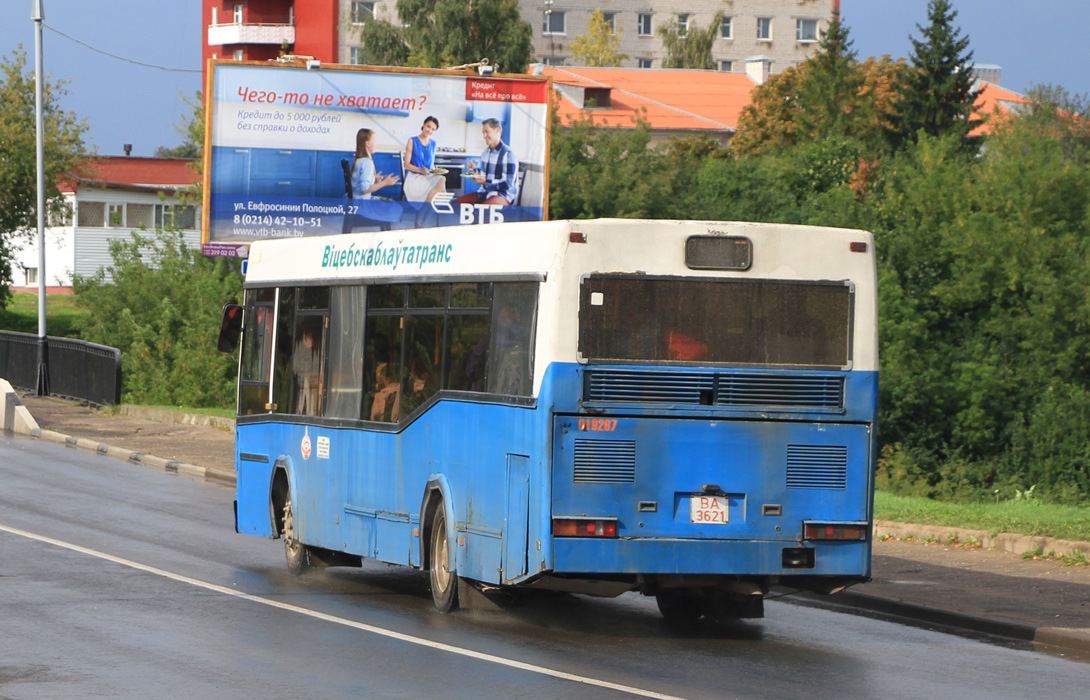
(162, 310)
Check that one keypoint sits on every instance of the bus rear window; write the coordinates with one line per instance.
(713, 321)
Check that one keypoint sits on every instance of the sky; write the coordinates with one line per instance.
(128, 63)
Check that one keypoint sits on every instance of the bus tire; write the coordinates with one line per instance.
(444, 580)
(294, 551)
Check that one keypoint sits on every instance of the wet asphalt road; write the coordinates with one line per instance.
(117, 581)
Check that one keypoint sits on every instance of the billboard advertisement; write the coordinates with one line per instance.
(292, 150)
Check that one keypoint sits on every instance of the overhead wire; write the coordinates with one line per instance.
(120, 58)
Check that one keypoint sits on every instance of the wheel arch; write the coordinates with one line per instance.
(437, 494)
(281, 485)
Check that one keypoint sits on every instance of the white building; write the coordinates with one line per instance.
(111, 197)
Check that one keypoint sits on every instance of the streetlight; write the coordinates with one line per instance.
(38, 15)
(547, 29)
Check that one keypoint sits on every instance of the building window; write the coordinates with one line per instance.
(806, 29)
(645, 62)
(764, 29)
(726, 29)
(362, 12)
(683, 24)
(115, 215)
(356, 56)
(554, 23)
(141, 216)
(91, 214)
(239, 55)
(553, 60)
(59, 216)
(31, 275)
(176, 216)
(726, 66)
(238, 14)
(610, 19)
(643, 24)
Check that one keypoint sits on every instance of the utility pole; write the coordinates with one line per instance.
(38, 16)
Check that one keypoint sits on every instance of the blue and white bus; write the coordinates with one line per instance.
(680, 408)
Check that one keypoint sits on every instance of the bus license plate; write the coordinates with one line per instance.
(712, 510)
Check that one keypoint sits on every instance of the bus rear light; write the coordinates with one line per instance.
(577, 237)
(854, 532)
(858, 246)
(584, 527)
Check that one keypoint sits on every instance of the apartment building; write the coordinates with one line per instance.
(785, 32)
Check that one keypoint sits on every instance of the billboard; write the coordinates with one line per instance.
(295, 151)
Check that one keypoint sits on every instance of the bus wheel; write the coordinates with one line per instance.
(295, 551)
(444, 582)
(679, 607)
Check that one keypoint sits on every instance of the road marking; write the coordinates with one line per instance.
(381, 631)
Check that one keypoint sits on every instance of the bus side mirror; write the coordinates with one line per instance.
(230, 327)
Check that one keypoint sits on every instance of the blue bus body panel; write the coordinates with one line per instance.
(511, 468)
(360, 490)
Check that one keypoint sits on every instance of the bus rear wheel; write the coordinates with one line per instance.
(444, 580)
(294, 551)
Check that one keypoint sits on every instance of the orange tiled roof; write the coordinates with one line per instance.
(127, 172)
(995, 103)
(674, 99)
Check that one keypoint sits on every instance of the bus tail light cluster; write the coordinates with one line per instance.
(853, 532)
(584, 527)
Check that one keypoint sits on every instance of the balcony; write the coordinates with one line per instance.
(257, 29)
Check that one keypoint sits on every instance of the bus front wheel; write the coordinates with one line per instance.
(444, 580)
(295, 551)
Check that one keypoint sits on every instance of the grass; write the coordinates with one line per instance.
(62, 317)
(1024, 517)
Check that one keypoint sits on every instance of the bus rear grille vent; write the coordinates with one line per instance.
(718, 388)
(817, 467)
(605, 461)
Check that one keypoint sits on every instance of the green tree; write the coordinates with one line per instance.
(162, 310)
(937, 96)
(191, 130)
(828, 101)
(443, 33)
(63, 140)
(598, 47)
(691, 48)
(829, 94)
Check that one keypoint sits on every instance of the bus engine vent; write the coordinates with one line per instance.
(716, 388)
(817, 467)
(605, 461)
(779, 390)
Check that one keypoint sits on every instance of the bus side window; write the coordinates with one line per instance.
(510, 367)
(344, 396)
(382, 383)
(467, 352)
(308, 380)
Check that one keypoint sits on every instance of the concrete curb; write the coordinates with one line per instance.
(14, 417)
(163, 415)
(1073, 639)
(1004, 541)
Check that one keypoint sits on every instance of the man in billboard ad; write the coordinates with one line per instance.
(292, 151)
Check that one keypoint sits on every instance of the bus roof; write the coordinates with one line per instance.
(531, 250)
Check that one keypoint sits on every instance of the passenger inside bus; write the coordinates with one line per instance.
(387, 402)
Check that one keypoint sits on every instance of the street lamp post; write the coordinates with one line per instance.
(38, 16)
(548, 29)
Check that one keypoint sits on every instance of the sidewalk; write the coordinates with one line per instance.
(984, 590)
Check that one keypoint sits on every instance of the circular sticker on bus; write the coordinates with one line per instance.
(305, 446)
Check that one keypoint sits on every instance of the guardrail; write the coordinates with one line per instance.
(77, 369)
